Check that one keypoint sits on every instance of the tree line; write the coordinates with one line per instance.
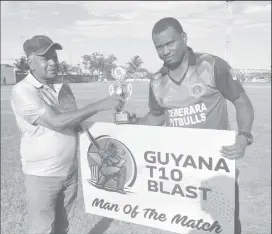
(100, 67)
(96, 65)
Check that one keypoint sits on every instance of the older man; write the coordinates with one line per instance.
(48, 118)
(191, 90)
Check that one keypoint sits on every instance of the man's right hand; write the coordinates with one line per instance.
(112, 102)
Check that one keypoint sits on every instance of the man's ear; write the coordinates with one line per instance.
(184, 37)
(29, 61)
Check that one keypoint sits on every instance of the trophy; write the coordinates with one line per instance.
(125, 90)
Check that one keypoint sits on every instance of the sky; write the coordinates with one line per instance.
(124, 29)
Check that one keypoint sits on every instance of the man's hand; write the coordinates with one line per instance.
(237, 150)
(132, 118)
(112, 102)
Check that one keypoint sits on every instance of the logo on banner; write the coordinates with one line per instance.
(113, 168)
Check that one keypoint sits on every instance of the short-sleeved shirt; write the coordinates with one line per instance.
(199, 100)
(44, 152)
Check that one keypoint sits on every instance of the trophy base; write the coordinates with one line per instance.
(121, 117)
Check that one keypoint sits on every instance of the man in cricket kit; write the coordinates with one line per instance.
(47, 115)
(191, 90)
(112, 167)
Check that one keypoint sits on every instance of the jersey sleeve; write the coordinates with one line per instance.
(27, 103)
(226, 81)
(154, 107)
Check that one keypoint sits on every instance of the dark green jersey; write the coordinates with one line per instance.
(199, 100)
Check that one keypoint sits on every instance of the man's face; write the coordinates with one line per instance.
(170, 45)
(45, 66)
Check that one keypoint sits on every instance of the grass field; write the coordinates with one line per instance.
(255, 170)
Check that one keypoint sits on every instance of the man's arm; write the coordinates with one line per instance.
(29, 105)
(152, 120)
(57, 121)
(155, 117)
(244, 113)
(232, 89)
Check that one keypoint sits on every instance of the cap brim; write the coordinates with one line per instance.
(55, 46)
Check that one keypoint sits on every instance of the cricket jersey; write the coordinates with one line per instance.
(199, 100)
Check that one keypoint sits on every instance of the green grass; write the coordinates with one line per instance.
(255, 171)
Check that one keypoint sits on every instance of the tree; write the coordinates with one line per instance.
(143, 72)
(21, 65)
(108, 66)
(111, 59)
(64, 68)
(99, 63)
(134, 65)
(88, 63)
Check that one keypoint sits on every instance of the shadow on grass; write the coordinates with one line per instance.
(101, 226)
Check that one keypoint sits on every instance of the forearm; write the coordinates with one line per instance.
(72, 119)
(151, 120)
(142, 120)
(244, 114)
(245, 118)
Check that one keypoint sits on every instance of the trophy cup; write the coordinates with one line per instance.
(125, 90)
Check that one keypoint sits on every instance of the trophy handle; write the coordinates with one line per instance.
(111, 90)
(129, 91)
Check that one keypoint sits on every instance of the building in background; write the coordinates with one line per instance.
(8, 73)
(75, 70)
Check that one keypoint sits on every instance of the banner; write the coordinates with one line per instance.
(173, 179)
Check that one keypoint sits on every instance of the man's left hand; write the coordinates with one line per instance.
(235, 151)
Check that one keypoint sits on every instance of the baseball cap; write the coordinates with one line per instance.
(39, 45)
